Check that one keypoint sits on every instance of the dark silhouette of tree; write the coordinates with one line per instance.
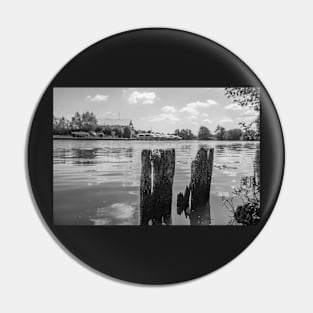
(118, 131)
(127, 132)
(76, 123)
(61, 126)
(84, 122)
(107, 130)
(234, 134)
(204, 133)
(185, 134)
(220, 133)
(89, 121)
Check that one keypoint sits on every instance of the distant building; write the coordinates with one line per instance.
(120, 124)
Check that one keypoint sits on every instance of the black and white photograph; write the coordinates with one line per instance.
(156, 156)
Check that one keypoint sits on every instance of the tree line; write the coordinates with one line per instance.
(79, 122)
(87, 122)
(220, 133)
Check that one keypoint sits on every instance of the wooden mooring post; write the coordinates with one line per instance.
(156, 183)
(199, 212)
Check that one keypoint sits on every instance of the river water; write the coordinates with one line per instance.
(96, 182)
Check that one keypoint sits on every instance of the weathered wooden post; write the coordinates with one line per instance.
(156, 207)
(199, 190)
(163, 162)
(145, 187)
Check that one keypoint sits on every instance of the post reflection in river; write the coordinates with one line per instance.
(97, 182)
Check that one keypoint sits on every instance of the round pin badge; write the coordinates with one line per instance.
(155, 156)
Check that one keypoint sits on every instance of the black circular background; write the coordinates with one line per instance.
(154, 58)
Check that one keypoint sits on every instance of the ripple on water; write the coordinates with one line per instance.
(98, 181)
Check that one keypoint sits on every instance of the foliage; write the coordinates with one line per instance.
(79, 122)
(61, 126)
(251, 131)
(245, 96)
(234, 134)
(185, 134)
(127, 132)
(204, 133)
(251, 97)
(76, 123)
(220, 133)
(89, 121)
(248, 192)
(107, 130)
(99, 129)
(84, 122)
(117, 132)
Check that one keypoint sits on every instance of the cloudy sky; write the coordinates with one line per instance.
(156, 109)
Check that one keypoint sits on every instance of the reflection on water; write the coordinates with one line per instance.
(97, 182)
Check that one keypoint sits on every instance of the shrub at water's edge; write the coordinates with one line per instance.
(248, 192)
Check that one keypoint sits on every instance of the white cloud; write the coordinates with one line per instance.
(251, 112)
(189, 109)
(205, 114)
(142, 97)
(165, 117)
(98, 98)
(168, 109)
(202, 104)
(211, 102)
(226, 120)
(207, 121)
(234, 107)
(192, 108)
